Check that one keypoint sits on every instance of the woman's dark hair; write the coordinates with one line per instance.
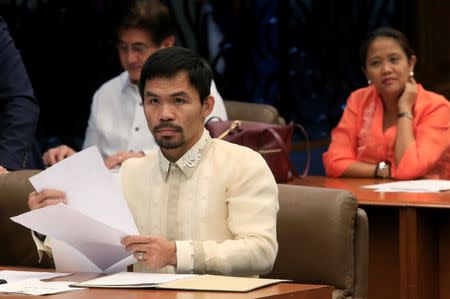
(169, 62)
(384, 32)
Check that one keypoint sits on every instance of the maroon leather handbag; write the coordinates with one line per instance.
(273, 142)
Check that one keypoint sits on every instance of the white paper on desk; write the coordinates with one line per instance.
(414, 186)
(99, 242)
(13, 276)
(133, 279)
(34, 286)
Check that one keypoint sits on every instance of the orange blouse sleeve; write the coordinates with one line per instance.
(342, 150)
(431, 132)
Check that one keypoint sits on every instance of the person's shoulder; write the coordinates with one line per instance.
(430, 97)
(364, 92)
(430, 102)
(113, 85)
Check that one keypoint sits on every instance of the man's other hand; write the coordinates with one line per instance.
(3, 170)
(46, 197)
(118, 158)
(56, 154)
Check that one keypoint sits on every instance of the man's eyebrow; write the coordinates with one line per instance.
(133, 44)
(178, 93)
(150, 94)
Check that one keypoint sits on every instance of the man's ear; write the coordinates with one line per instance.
(208, 106)
(168, 42)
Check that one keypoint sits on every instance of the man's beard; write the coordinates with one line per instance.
(169, 142)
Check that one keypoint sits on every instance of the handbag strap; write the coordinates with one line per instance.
(308, 151)
(235, 124)
(283, 147)
(284, 150)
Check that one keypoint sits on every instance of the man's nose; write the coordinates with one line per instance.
(166, 112)
(130, 56)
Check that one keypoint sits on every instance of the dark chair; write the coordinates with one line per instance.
(18, 247)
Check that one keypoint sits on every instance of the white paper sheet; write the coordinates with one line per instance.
(90, 188)
(97, 241)
(13, 276)
(94, 192)
(34, 286)
(414, 186)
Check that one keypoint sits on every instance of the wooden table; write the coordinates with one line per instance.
(409, 249)
(277, 291)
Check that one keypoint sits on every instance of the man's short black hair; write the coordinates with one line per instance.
(168, 62)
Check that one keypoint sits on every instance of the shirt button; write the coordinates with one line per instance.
(136, 129)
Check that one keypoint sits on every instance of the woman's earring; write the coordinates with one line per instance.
(411, 74)
(369, 82)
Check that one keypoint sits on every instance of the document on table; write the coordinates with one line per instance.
(132, 280)
(86, 232)
(414, 186)
(13, 276)
(179, 282)
(34, 286)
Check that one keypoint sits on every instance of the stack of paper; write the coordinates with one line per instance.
(29, 283)
(34, 286)
(415, 186)
(179, 282)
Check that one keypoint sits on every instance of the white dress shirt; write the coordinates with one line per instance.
(117, 121)
(218, 202)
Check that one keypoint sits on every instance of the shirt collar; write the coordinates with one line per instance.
(126, 82)
(189, 162)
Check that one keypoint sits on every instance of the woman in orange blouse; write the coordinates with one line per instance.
(393, 128)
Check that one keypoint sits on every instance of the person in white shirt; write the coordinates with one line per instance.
(117, 124)
(201, 205)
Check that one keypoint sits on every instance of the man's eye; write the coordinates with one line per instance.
(122, 47)
(179, 101)
(152, 101)
(138, 49)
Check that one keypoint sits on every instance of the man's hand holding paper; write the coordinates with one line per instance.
(79, 202)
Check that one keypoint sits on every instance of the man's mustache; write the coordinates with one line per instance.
(167, 126)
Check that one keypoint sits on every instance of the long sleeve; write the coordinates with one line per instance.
(19, 110)
(432, 138)
(252, 207)
(342, 150)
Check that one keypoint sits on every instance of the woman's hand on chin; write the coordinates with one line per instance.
(408, 97)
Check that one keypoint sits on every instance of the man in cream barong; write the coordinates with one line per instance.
(201, 205)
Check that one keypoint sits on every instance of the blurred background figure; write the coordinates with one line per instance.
(19, 109)
(117, 124)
